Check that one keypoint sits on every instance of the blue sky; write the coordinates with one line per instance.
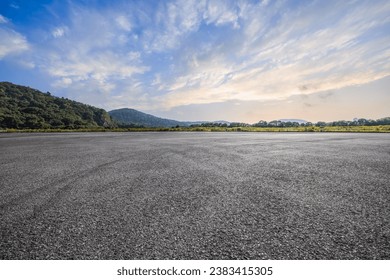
(205, 60)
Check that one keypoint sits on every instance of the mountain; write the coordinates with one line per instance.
(24, 107)
(131, 117)
(293, 120)
(127, 117)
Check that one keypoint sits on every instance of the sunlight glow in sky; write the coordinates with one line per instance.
(205, 60)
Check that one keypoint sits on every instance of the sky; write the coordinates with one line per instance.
(205, 60)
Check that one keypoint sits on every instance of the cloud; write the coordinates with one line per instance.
(102, 66)
(14, 6)
(300, 53)
(3, 19)
(220, 13)
(172, 21)
(123, 22)
(93, 75)
(89, 55)
(180, 53)
(175, 21)
(59, 32)
(103, 47)
(346, 103)
(264, 2)
(11, 43)
(326, 95)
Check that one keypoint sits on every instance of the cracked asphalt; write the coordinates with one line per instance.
(193, 195)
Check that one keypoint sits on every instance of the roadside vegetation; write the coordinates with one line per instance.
(26, 108)
(377, 128)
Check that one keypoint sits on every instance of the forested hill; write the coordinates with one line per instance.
(24, 107)
(130, 117)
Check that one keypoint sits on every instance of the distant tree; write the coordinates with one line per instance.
(260, 124)
(275, 123)
(320, 124)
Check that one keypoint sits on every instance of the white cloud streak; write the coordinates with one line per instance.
(198, 52)
(90, 56)
(11, 43)
(3, 19)
(300, 53)
(58, 32)
(176, 20)
(124, 23)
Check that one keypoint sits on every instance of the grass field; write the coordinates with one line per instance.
(358, 129)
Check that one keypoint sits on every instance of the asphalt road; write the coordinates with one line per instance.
(195, 196)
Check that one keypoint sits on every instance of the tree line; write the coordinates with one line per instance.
(278, 123)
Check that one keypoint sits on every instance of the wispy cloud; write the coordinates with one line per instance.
(3, 19)
(168, 54)
(89, 54)
(220, 13)
(11, 42)
(124, 23)
(171, 23)
(299, 53)
(14, 6)
(59, 31)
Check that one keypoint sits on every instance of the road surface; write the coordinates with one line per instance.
(173, 195)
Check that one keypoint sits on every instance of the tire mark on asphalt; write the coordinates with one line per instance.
(26, 196)
(36, 196)
(217, 205)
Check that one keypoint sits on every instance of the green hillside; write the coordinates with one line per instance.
(132, 118)
(23, 107)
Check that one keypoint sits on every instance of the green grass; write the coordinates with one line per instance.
(378, 128)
